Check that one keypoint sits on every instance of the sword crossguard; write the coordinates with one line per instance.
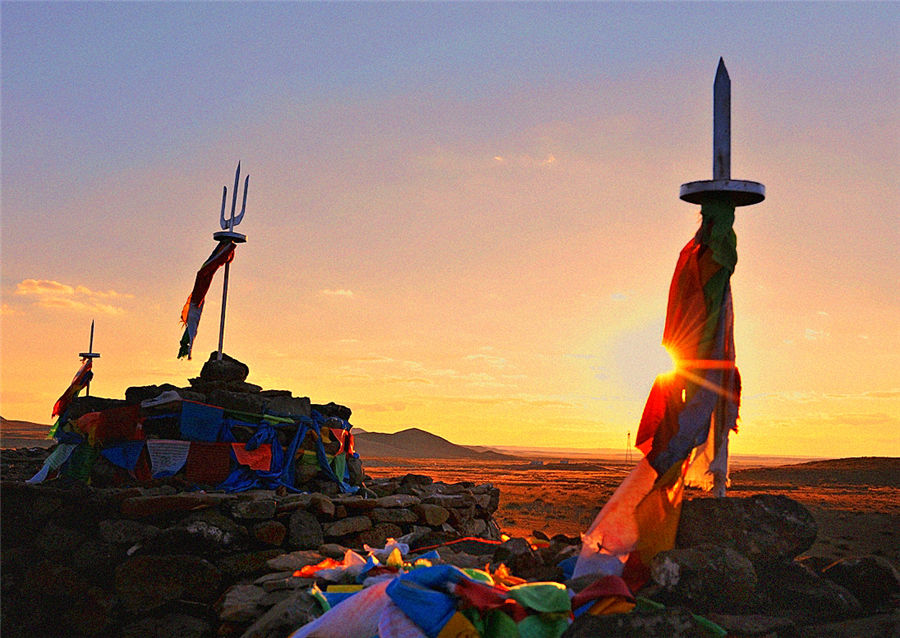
(231, 222)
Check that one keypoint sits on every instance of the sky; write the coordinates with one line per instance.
(461, 217)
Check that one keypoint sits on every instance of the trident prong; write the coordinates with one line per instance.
(231, 222)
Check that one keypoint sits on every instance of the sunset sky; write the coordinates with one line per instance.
(461, 217)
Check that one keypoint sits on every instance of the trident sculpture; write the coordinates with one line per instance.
(228, 234)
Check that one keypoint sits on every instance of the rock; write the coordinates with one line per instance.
(473, 527)
(799, 593)
(140, 506)
(378, 535)
(280, 581)
(334, 550)
(240, 603)
(91, 612)
(431, 515)
(294, 561)
(752, 625)
(270, 532)
(766, 528)
(356, 503)
(516, 553)
(144, 583)
(349, 525)
(204, 532)
(321, 504)
(393, 515)
(450, 501)
(304, 531)
(284, 617)
(243, 387)
(673, 622)
(224, 369)
(704, 577)
(256, 509)
(416, 480)
(170, 625)
(887, 625)
(333, 410)
(293, 502)
(355, 470)
(397, 500)
(873, 580)
(246, 564)
(289, 406)
(126, 532)
(237, 401)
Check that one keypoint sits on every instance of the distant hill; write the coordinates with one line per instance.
(414, 443)
(14, 434)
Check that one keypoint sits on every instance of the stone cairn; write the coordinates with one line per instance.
(144, 559)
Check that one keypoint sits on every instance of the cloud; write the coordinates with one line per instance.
(54, 295)
(489, 359)
(6, 310)
(339, 292)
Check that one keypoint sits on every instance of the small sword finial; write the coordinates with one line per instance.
(90, 354)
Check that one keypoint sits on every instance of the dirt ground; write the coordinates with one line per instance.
(856, 502)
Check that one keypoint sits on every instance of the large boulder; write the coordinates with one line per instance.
(768, 529)
(224, 369)
(704, 577)
(873, 580)
(797, 592)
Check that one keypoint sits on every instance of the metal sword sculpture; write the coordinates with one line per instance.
(227, 234)
(735, 191)
(90, 354)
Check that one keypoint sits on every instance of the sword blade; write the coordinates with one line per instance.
(722, 123)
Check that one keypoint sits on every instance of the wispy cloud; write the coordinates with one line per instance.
(338, 292)
(47, 293)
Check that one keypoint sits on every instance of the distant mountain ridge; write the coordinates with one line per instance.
(14, 434)
(414, 443)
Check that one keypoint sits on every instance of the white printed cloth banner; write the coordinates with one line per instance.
(167, 457)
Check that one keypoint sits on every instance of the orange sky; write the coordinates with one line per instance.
(454, 233)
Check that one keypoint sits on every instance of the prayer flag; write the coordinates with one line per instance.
(208, 463)
(167, 457)
(81, 379)
(193, 307)
(256, 459)
(688, 415)
(201, 422)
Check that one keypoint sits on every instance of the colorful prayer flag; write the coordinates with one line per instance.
(81, 379)
(688, 415)
(193, 307)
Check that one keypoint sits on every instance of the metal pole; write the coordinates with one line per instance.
(228, 234)
(224, 301)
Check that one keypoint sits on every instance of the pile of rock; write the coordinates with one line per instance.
(157, 412)
(83, 561)
(736, 562)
